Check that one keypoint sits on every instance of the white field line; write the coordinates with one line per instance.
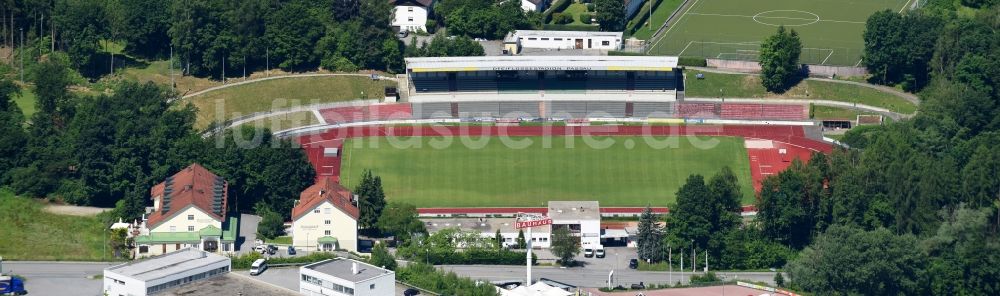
(827, 58)
(859, 63)
(319, 116)
(904, 6)
(776, 17)
(685, 48)
(679, 19)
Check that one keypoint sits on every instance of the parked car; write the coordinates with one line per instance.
(638, 286)
(599, 253)
(588, 252)
(291, 251)
(633, 263)
(411, 292)
(262, 249)
(402, 34)
(258, 266)
(271, 249)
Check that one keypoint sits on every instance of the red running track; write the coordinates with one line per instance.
(764, 162)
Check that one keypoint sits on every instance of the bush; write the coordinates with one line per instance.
(570, 27)
(590, 7)
(692, 61)
(244, 261)
(561, 18)
(431, 25)
(708, 277)
(586, 18)
(559, 5)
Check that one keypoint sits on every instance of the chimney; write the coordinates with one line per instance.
(322, 192)
(354, 268)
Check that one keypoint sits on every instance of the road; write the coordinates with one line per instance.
(591, 277)
(59, 278)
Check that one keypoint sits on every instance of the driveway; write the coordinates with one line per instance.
(593, 277)
(59, 278)
(248, 233)
(287, 278)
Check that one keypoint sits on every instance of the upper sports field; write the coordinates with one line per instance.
(831, 30)
(490, 172)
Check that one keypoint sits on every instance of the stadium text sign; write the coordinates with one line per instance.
(533, 223)
(541, 68)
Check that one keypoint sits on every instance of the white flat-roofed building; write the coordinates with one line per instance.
(583, 218)
(345, 277)
(534, 5)
(519, 39)
(160, 273)
(487, 228)
(411, 15)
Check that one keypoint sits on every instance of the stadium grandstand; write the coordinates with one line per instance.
(544, 78)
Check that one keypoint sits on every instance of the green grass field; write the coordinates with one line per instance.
(30, 233)
(267, 95)
(749, 86)
(26, 101)
(623, 174)
(831, 31)
(660, 15)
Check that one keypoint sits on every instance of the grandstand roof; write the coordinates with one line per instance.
(501, 63)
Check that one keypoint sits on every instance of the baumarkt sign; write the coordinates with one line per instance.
(533, 223)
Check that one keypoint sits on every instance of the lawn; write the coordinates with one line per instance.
(660, 15)
(26, 101)
(748, 86)
(826, 112)
(281, 240)
(283, 93)
(576, 10)
(628, 172)
(159, 72)
(286, 121)
(29, 233)
(733, 29)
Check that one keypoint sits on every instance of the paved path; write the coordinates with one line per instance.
(247, 233)
(839, 104)
(912, 98)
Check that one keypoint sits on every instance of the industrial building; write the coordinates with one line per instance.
(345, 277)
(158, 274)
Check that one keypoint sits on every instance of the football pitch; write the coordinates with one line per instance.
(831, 30)
(622, 171)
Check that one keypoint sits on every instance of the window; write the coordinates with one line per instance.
(143, 249)
(316, 211)
(545, 39)
(605, 43)
(173, 228)
(190, 217)
(326, 232)
(410, 9)
(410, 19)
(327, 222)
(190, 228)
(557, 39)
(532, 38)
(371, 287)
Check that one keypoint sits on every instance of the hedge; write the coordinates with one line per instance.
(570, 27)
(625, 53)
(692, 61)
(483, 257)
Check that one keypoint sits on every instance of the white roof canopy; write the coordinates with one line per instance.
(541, 63)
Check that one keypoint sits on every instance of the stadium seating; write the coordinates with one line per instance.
(763, 111)
(697, 110)
(431, 110)
(390, 112)
(606, 84)
(344, 114)
(478, 109)
(519, 109)
(606, 109)
(476, 84)
(653, 109)
(430, 84)
(517, 86)
(567, 109)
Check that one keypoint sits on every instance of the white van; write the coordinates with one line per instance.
(258, 266)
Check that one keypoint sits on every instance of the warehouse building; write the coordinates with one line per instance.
(161, 273)
(520, 39)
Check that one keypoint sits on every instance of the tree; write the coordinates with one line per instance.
(82, 24)
(400, 220)
(649, 240)
(965, 251)
(521, 242)
(849, 260)
(290, 31)
(382, 258)
(689, 219)
(119, 241)
(145, 24)
(498, 239)
(12, 135)
(371, 199)
(898, 47)
(610, 15)
(271, 224)
(779, 60)
(779, 280)
(564, 245)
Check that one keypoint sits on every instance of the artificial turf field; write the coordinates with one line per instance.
(623, 174)
(831, 30)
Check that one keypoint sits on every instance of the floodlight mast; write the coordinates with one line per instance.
(530, 220)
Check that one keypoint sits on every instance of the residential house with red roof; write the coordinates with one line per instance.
(325, 218)
(189, 210)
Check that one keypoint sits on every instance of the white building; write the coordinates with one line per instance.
(160, 273)
(345, 277)
(534, 5)
(411, 15)
(325, 218)
(582, 218)
(520, 39)
(189, 210)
